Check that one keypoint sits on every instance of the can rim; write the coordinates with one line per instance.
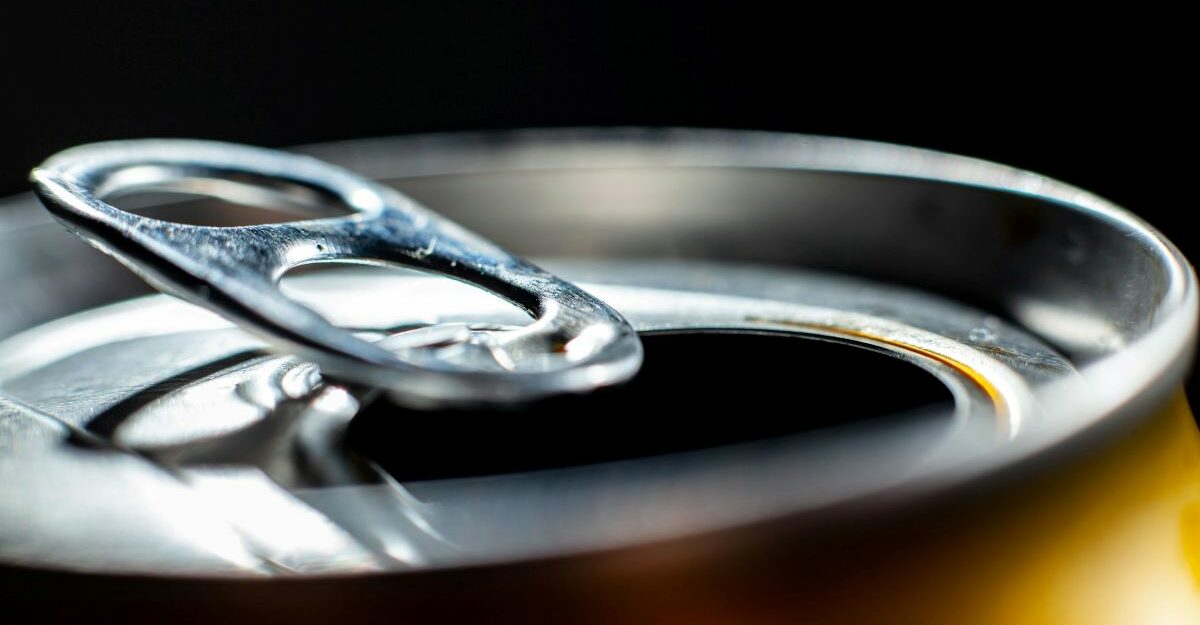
(1167, 343)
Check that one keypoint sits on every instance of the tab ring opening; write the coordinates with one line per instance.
(575, 343)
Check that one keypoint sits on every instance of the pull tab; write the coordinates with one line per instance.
(575, 344)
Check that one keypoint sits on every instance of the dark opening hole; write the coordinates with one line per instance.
(695, 390)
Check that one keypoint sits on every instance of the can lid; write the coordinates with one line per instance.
(1066, 269)
(180, 399)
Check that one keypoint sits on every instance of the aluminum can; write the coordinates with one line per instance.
(881, 385)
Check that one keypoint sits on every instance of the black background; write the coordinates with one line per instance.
(1097, 100)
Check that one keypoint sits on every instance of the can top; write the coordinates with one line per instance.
(1046, 311)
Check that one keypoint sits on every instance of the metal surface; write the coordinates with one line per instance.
(1079, 315)
(195, 400)
(577, 343)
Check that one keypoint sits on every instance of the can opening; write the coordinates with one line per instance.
(696, 390)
